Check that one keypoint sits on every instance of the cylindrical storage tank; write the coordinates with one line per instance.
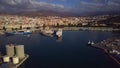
(6, 59)
(10, 50)
(20, 51)
(15, 60)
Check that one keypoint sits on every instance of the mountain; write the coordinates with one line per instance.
(45, 13)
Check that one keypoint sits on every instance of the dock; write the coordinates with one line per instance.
(22, 61)
(111, 47)
(11, 65)
(15, 56)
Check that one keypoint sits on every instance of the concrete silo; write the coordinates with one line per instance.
(10, 50)
(20, 51)
(15, 60)
(6, 59)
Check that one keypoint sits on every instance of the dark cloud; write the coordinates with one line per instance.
(28, 5)
(99, 6)
(12, 6)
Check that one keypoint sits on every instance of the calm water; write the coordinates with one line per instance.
(71, 52)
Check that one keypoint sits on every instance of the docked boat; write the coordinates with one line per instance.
(91, 43)
(18, 32)
(47, 32)
(59, 33)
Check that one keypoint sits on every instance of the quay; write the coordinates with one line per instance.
(33, 29)
(111, 47)
(22, 61)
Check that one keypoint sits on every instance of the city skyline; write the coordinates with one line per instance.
(80, 7)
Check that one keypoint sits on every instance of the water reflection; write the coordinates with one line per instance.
(59, 39)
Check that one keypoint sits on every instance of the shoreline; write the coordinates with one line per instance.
(70, 28)
(107, 29)
(106, 51)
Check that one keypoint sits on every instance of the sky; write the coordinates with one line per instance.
(71, 6)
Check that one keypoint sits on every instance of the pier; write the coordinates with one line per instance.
(22, 61)
(111, 47)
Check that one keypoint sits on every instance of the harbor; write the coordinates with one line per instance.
(47, 52)
(111, 47)
(14, 57)
(59, 34)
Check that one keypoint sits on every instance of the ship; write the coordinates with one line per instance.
(47, 32)
(19, 32)
(59, 33)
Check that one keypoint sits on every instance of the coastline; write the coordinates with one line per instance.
(111, 55)
(69, 28)
(110, 29)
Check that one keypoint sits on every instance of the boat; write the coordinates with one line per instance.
(47, 32)
(59, 33)
(19, 32)
(91, 43)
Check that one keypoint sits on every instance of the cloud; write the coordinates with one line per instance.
(90, 3)
(98, 6)
(29, 5)
(111, 3)
(48, 5)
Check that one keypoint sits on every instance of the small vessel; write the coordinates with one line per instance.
(18, 32)
(47, 32)
(91, 43)
(59, 33)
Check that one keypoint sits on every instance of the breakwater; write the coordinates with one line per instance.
(111, 47)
